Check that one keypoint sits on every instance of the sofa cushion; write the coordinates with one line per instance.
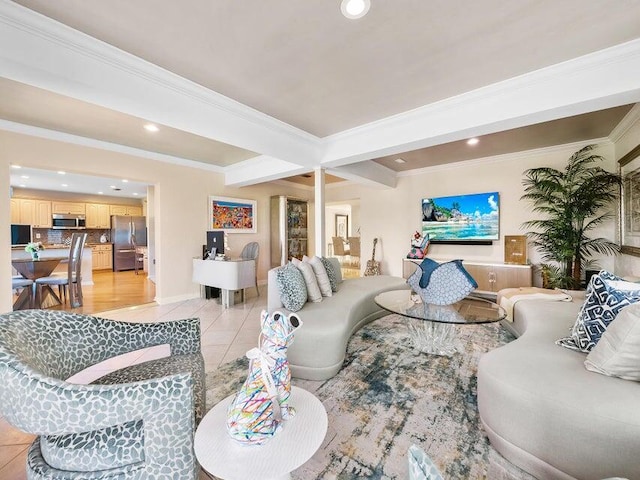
(617, 354)
(292, 287)
(321, 275)
(606, 295)
(108, 448)
(313, 290)
(331, 273)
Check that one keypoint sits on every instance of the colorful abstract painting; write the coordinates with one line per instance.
(233, 215)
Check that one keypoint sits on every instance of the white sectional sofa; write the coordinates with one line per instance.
(319, 347)
(546, 413)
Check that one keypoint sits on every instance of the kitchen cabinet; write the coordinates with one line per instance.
(132, 210)
(490, 277)
(15, 210)
(29, 211)
(102, 257)
(75, 208)
(98, 215)
(289, 229)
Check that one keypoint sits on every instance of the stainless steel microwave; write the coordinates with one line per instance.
(68, 222)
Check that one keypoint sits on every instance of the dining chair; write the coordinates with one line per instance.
(73, 278)
(339, 248)
(18, 283)
(250, 252)
(354, 249)
(139, 252)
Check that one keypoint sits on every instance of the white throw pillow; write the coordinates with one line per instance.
(321, 275)
(313, 290)
(617, 354)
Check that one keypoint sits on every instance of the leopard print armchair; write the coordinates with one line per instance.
(135, 423)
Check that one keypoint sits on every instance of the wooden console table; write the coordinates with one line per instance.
(490, 276)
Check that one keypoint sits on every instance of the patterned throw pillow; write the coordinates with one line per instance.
(421, 467)
(313, 290)
(333, 279)
(293, 290)
(606, 295)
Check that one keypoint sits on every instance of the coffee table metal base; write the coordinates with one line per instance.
(434, 338)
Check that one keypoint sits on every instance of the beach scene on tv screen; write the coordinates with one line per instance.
(462, 217)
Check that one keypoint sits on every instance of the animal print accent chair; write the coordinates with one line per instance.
(134, 423)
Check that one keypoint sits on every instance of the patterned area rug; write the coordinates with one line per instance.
(388, 396)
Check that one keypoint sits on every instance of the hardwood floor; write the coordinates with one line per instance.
(112, 290)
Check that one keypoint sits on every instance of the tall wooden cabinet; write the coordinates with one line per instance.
(29, 211)
(289, 229)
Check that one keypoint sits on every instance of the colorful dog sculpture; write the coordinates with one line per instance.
(262, 404)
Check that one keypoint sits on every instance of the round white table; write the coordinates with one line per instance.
(292, 446)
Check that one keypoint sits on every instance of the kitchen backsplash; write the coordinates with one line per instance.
(62, 237)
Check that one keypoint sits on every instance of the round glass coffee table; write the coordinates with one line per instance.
(432, 327)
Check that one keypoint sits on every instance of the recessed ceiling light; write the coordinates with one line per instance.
(24, 176)
(353, 9)
(100, 193)
(61, 172)
(150, 127)
(472, 141)
(112, 186)
(124, 180)
(16, 166)
(65, 185)
(400, 160)
(22, 185)
(135, 193)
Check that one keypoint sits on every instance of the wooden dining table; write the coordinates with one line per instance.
(34, 269)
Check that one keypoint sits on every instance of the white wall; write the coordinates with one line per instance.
(392, 215)
(179, 207)
(628, 265)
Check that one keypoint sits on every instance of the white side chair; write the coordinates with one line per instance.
(250, 252)
(73, 277)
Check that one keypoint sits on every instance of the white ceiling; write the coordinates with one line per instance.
(38, 179)
(321, 90)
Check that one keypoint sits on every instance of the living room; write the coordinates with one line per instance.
(389, 200)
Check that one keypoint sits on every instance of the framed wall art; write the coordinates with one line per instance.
(342, 226)
(630, 203)
(233, 215)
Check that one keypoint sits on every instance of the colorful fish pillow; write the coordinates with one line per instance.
(441, 283)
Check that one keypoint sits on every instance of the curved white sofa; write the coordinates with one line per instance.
(546, 413)
(319, 347)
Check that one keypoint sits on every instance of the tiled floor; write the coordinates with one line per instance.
(226, 335)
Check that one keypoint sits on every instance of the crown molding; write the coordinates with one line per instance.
(515, 156)
(102, 145)
(629, 120)
(591, 82)
(58, 58)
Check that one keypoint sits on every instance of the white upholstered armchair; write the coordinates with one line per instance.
(140, 427)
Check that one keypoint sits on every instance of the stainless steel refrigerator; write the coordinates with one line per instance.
(125, 230)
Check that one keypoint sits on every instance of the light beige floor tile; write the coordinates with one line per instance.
(237, 350)
(9, 452)
(153, 353)
(213, 355)
(218, 337)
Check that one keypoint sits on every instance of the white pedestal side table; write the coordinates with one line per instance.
(300, 437)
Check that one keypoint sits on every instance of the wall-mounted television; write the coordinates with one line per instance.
(20, 234)
(461, 219)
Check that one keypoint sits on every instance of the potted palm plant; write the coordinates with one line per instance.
(574, 202)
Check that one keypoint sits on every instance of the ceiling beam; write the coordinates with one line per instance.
(367, 173)
(260, 169)
(55, 57)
